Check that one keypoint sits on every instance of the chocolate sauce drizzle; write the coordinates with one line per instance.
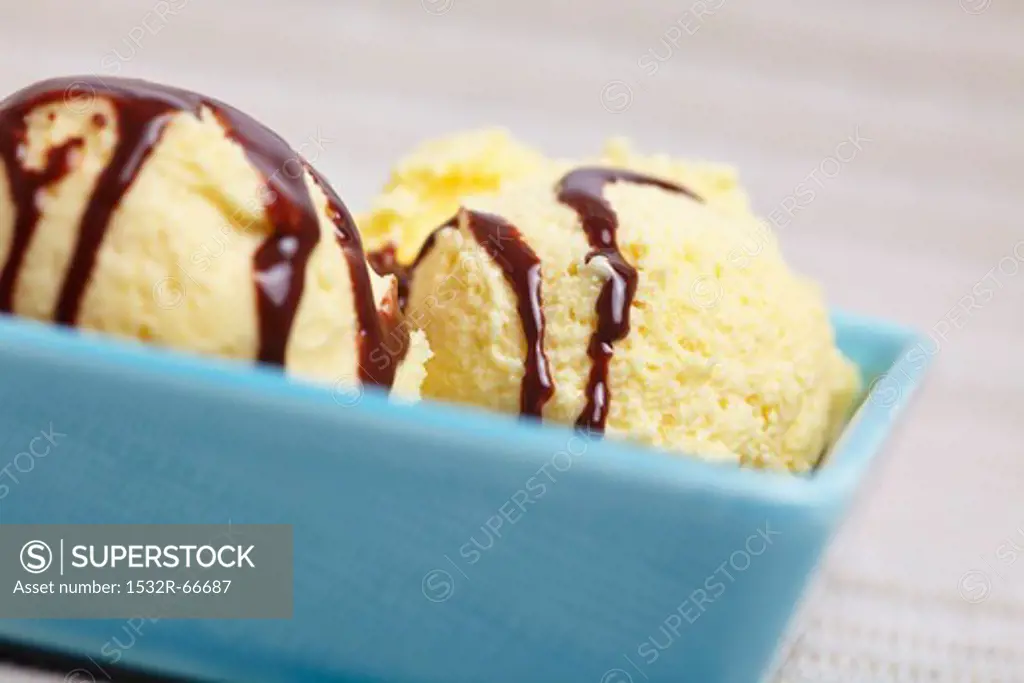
(371, 330)
(143, 112)
(384, 260)
(582, 191)
(521, 267)
(26, 183)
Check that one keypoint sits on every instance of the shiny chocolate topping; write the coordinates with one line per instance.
(521, 267)
(582, 190)
(385, 260)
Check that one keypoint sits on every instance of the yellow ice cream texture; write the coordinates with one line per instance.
(426, 186)
(730, 355)
(175, 267)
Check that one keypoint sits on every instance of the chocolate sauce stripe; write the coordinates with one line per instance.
(505, 246)
(385, 260)
(522, 270)
(370, 340)
(582, 190)
(28, 183)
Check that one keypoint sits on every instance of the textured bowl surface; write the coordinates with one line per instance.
(432, 543)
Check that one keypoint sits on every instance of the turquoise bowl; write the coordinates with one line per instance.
(433, 544)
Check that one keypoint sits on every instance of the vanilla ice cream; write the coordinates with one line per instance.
(158, 214)
(619, 296)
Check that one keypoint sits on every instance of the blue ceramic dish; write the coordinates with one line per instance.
(417, 557)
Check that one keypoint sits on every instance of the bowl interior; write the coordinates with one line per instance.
(892, 360)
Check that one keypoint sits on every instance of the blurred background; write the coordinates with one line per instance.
(908, 222)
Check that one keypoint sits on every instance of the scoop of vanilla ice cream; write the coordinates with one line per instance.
(176, 263)
(728, 357)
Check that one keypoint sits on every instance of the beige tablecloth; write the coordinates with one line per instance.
(921, 585)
